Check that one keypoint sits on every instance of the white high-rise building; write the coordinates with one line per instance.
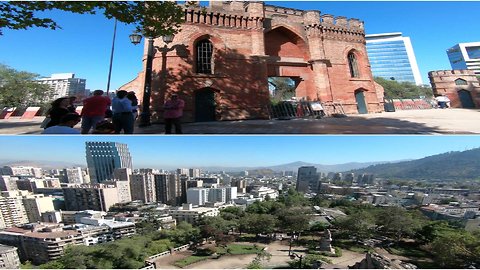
(465, 56)
(142, 187)
(217, 195)
(36, 204)
(197, 196)
(12, 210)
(65, 84)
(231, 193)
(392, 57)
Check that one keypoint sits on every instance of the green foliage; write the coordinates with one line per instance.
(236, 249)
(191, 260)
(257, 262)
(153, 19)
(258, 223)
(27, 265)
(294, 219)
(294, 198)
(128, 253)
(395, 89)
(265, 207)
(359, 225)
(284, 88)
(456, 249)
(398, 222)
(20, 88)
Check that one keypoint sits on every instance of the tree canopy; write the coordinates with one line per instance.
(152, 18)
(21, 88)
(396, 89)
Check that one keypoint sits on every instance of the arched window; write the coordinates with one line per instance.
(352, 64)
(204, 57)
(460, 82)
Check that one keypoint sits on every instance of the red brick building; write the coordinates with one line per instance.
(462, 87)
(221, 60)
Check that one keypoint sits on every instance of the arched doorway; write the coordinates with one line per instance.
(288, 58)
(361, 104)
(466, 99)
(205, 105)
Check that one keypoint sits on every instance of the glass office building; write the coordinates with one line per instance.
(104, 157)
(465, 56)
(391, 57)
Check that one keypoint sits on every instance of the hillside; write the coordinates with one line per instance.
(463, 165)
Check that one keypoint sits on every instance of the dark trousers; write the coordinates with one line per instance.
(174, 121)
(123, 121)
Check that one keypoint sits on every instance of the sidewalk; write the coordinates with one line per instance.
(434, 121)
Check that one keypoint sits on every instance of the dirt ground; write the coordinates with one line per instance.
(279, 258)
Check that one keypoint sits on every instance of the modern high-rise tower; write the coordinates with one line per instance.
(465, 56)
(391, 57)
(104, 157)
(307, 179)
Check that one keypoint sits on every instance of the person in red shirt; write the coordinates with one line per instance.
(93, 110)
(173, 112)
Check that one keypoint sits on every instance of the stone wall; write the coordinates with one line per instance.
(454, 83)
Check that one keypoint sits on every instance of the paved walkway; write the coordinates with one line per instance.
(434, 121)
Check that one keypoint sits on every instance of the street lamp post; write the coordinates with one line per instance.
(135, 38)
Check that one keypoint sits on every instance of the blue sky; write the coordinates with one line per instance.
(190, 151)
(83, 45)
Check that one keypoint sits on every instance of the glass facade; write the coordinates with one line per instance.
(465, 56)
(104, 157)
(389, 59)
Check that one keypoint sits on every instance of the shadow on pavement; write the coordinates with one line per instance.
(347, 125)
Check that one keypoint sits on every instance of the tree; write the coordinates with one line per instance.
(396, 89)
(284, 88)
(359, 225)
(294, 219)
(456, 249)
(152, 18)
(258, 223)
(21, 88)
(399, 222)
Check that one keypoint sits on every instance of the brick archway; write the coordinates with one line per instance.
(288, 57)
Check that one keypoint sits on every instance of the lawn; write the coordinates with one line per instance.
(190, 260)
(351, 245)
(236, 249)
(231, 249)
(408, 251)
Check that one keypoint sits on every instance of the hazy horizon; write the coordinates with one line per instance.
(238, 151)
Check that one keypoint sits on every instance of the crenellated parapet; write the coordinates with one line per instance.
(232, 14)
(283, 11)
(450, 72)
(330, 27)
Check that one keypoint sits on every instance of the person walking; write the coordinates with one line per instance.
(93, 111)
(173, 112)
(122, 113)
(67, 122)
(133, 98)
(57, 111)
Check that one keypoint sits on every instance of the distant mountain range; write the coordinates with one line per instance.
(277, 168)
(464, 165)
(447, 166)
(40, 163)
(293, 166)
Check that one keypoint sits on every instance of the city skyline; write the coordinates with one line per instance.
(87, 46)
(235, 151)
